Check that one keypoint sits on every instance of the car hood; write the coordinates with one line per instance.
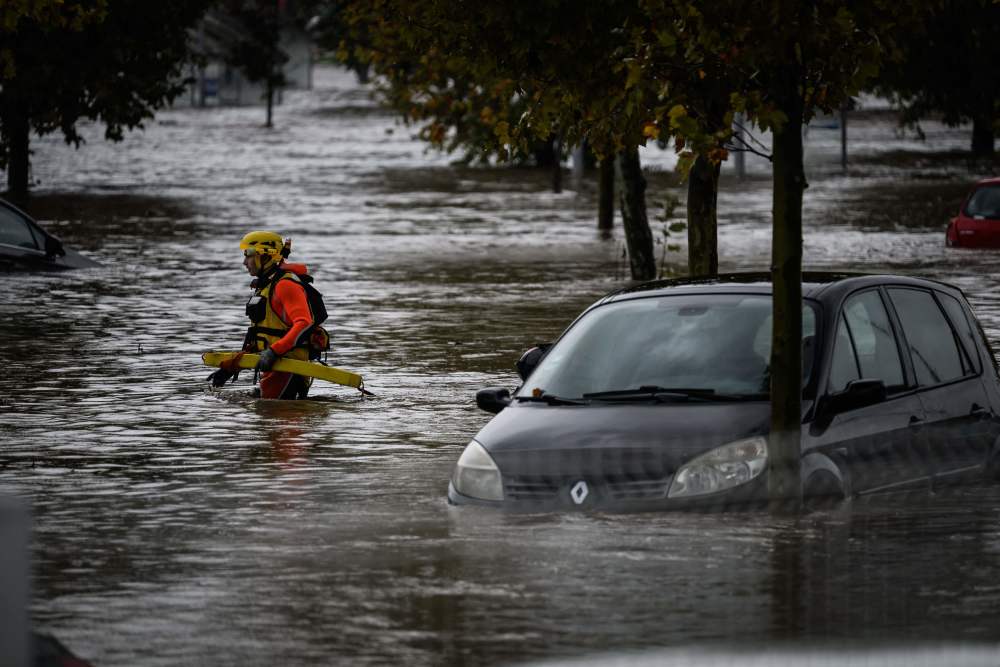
(647, 440)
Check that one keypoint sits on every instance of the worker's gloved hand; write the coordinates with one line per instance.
(266, 361)
(219, 377)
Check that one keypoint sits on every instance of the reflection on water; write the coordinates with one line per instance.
(181, 525)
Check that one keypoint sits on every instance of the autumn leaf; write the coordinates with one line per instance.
(502, 131)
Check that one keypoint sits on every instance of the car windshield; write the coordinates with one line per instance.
(984, 203)
(695, 345)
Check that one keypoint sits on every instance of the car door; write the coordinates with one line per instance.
(957, 410)
(878, 444)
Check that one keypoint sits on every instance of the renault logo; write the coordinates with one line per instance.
(579, 492)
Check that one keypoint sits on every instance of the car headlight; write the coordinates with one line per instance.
(722, 468)
(476, 475)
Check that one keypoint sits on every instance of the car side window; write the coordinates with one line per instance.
(15, 231)
(844, 364)
(933, 348)
(874, 340)
(960, 320)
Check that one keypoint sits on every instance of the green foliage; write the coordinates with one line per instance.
(330, 28)
(502, 76)
(134, 51)
(47, 15)
(946, 64)
(498, 76)
(255, 46)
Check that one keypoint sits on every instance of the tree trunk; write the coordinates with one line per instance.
(606, 197)
(982, 135)
(784, 449)
(270, 103)
(557, 165)
(361, 71)
(702, 218)
(17, 131)
(638, 236)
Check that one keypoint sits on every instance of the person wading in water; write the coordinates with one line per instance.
(285, 312)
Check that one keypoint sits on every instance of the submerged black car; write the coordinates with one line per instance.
(25, 246)
(657, 397)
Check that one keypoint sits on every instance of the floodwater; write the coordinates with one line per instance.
(174, 525)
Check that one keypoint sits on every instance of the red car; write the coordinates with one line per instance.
(978, 222)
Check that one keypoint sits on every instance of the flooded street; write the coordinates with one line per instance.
(174, 525)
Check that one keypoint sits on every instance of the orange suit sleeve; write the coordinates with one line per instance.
(292, 306)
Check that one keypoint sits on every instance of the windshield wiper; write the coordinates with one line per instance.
(550, 400)
(664, 394)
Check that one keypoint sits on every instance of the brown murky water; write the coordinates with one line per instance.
(175, 525)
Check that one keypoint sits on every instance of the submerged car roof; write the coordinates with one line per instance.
(813, 284)
(995, 180)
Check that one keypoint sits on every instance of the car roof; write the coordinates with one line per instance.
(995, 180)
(829, 285)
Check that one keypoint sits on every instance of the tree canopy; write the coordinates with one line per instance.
(947, 66)
(254, 43)
(112, 61)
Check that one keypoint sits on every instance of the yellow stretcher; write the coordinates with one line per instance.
(313, 369)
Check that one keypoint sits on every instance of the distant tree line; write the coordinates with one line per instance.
(549, 75)
(117, 62)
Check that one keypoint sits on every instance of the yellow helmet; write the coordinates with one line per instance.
(263, 243)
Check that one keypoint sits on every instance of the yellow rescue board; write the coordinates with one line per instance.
(312, 369)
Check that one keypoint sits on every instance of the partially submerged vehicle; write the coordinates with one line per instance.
(977, 224)
(656, 397)
(25, 246)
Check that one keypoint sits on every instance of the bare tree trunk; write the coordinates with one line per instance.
(606, 196)
(270, 103)
(843, 138)
(17, 130)
(702, 216)
(982, 135)
(361, 71)
(557, 165)
(638, 236)
(784, 449)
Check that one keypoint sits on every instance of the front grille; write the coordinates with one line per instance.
(531, 488)
(637, 489)
(537, 488)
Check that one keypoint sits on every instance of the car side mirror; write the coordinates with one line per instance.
(53, 246)
(858, 394)
(530, 359)
(492, 399)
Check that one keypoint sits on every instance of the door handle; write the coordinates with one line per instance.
(915, 419)
(978, 411)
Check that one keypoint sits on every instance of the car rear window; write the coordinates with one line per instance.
(933, 348)
(960, 319)
(984, 203)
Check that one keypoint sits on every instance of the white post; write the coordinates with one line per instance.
(843, 138)
(15, 578)
(578, 166)
(741, 157)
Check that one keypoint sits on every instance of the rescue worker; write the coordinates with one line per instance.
(281, 320)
